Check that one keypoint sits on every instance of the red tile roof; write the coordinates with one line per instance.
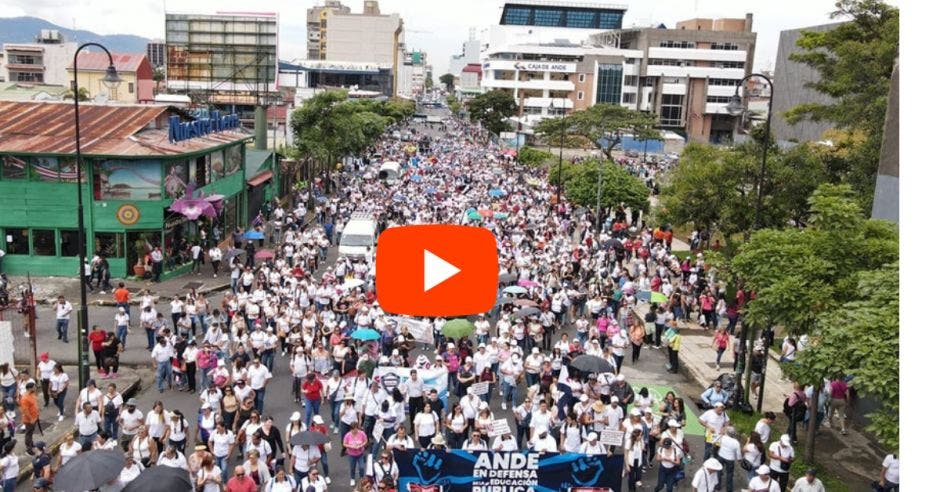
(98, 62)
(109, 130)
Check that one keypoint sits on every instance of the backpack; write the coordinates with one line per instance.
(110, 410)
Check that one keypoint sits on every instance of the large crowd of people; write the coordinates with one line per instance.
(289, 316)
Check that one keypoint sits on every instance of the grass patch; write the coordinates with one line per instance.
(745, 423)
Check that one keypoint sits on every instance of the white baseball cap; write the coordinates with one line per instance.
(592, 436)
(317, 419)
(763, 470)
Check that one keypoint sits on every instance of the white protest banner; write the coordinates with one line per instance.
(612, 437)
(480, 389)
(432, 378)
(500, 427)
(422, 332)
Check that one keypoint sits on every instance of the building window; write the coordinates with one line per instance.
(582, 19)
(723, 82)
(630, 80)
(25, 60)
(629, 97)
(669, 62)
(610, 20)
(130, 87)
(580, 95)
(517, 16)
(649, 81)
(43, 242)
(727, 64)
(547, 17)
(609, 77)
(17, 241)
(717, 99)
(676, 44)
(670, 113)
(725, 46)
(68, 243)
(13, 168)
(581, 77)
(27, 76)
(109, 244)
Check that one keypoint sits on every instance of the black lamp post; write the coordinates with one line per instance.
(111, 80)
(561, 150)
(736, 108)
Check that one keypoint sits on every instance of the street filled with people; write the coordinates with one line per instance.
(549, 358)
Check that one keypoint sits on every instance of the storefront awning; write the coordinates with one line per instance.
(260, 178)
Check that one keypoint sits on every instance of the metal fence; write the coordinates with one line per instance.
(23, 346)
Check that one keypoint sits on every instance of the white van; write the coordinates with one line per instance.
(358, 239)
(390, 172)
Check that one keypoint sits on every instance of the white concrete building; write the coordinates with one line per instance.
(43, 62)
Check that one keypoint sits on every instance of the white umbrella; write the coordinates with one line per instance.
(353, 283)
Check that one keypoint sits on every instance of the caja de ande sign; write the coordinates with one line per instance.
(180, 131)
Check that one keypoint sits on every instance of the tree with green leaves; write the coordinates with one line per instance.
(82, 94)
(329, 126)
(604, 125)
(448, 80)
(617, 185)
(531, 156)
(715, 188)
(854, 61)
(801, 276)
(492, 109)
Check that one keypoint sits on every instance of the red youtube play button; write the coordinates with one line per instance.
(436, 270)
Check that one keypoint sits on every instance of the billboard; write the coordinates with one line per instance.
(225, 52)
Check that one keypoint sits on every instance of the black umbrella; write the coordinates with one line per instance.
(504, 300)
(309, 438)
(508, 277)
(161, 479)
(591, 363)
(527, 311)
(89, 470)
(612, 243)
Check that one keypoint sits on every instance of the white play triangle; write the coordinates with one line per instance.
(436, 270)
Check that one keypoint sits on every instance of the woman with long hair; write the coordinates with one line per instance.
(9, 467)
(634, 449)
(157, 421)
(256, 469)
(456, 425)
(58, 387)
(229, 406)
(753, 455)
(178, 431)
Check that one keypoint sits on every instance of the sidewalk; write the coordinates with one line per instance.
(47, 289)
(855, 453)
(53, 431)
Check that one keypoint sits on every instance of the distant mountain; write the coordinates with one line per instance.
(25, 30)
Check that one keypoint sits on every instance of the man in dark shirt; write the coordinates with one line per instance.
(437, 406)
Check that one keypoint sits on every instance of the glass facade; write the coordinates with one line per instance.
(525, 15)
(609, 79)
(670, 113)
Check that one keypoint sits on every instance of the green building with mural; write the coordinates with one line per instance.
(147, 174)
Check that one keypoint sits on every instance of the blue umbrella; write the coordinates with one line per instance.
(416, 178)
(497, 192)
(365, 334)
(254, 235)
(430, 190)
(514, 289)
(399, 197)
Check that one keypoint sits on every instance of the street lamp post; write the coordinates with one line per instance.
(561, 151)
(736, 108)
(111, 80)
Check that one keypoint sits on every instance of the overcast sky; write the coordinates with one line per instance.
(436, 26)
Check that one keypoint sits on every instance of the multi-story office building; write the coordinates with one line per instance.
(224, 58)
(317, 27)
(336, 34)
(156, 53)
(43, 62)
(538, 54)
(687, 75)
(469, 55)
